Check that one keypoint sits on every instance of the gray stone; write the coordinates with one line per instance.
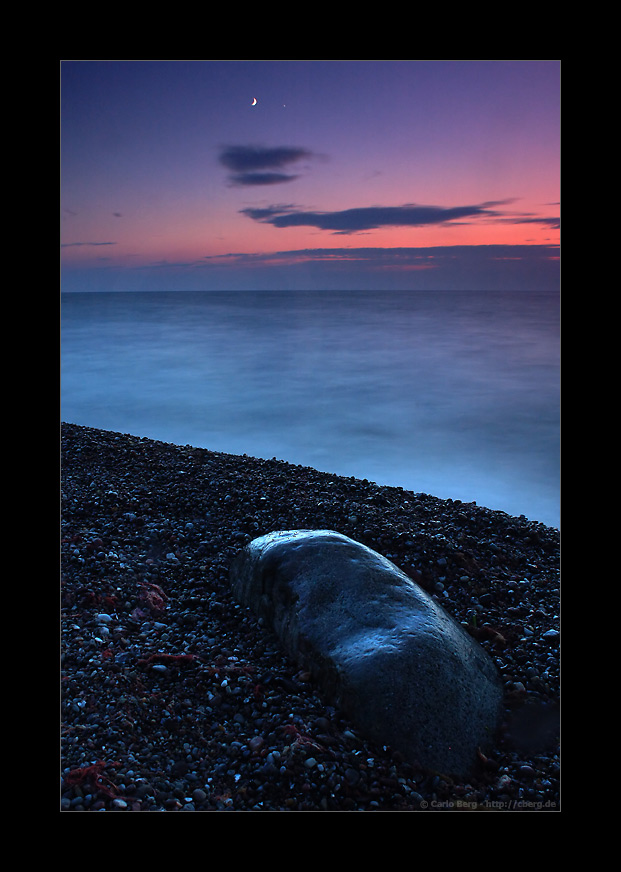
(391, 659)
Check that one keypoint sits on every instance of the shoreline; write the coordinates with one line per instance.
(174, 698)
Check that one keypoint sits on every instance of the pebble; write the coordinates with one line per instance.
(352, 776)
(186, 703)
(119, 804)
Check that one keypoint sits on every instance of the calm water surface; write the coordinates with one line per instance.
(455, 394)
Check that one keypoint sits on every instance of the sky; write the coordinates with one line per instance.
(242, 175)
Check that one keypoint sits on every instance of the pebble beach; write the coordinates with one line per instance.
(174, 697)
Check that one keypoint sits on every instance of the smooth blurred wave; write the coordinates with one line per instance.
(450, 393)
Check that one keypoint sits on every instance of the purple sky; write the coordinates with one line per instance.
(369, 174)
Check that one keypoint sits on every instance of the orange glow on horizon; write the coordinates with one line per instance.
(182, 239)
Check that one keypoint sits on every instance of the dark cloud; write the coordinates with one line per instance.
(258, 165)
(439, 268)
(243, 158)
(430, 257)
(75, 244)
(553, 222)
(456, 267)
(249, 179)
(371, 217)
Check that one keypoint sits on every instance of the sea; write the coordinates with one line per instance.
(454, 394)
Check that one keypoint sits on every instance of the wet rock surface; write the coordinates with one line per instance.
(379, 647)
(175, 697)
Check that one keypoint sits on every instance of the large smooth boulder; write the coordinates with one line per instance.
(391, 659)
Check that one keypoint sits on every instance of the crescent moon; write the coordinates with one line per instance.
(254, 101)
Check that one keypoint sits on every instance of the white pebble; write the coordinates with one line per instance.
(119, 803)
